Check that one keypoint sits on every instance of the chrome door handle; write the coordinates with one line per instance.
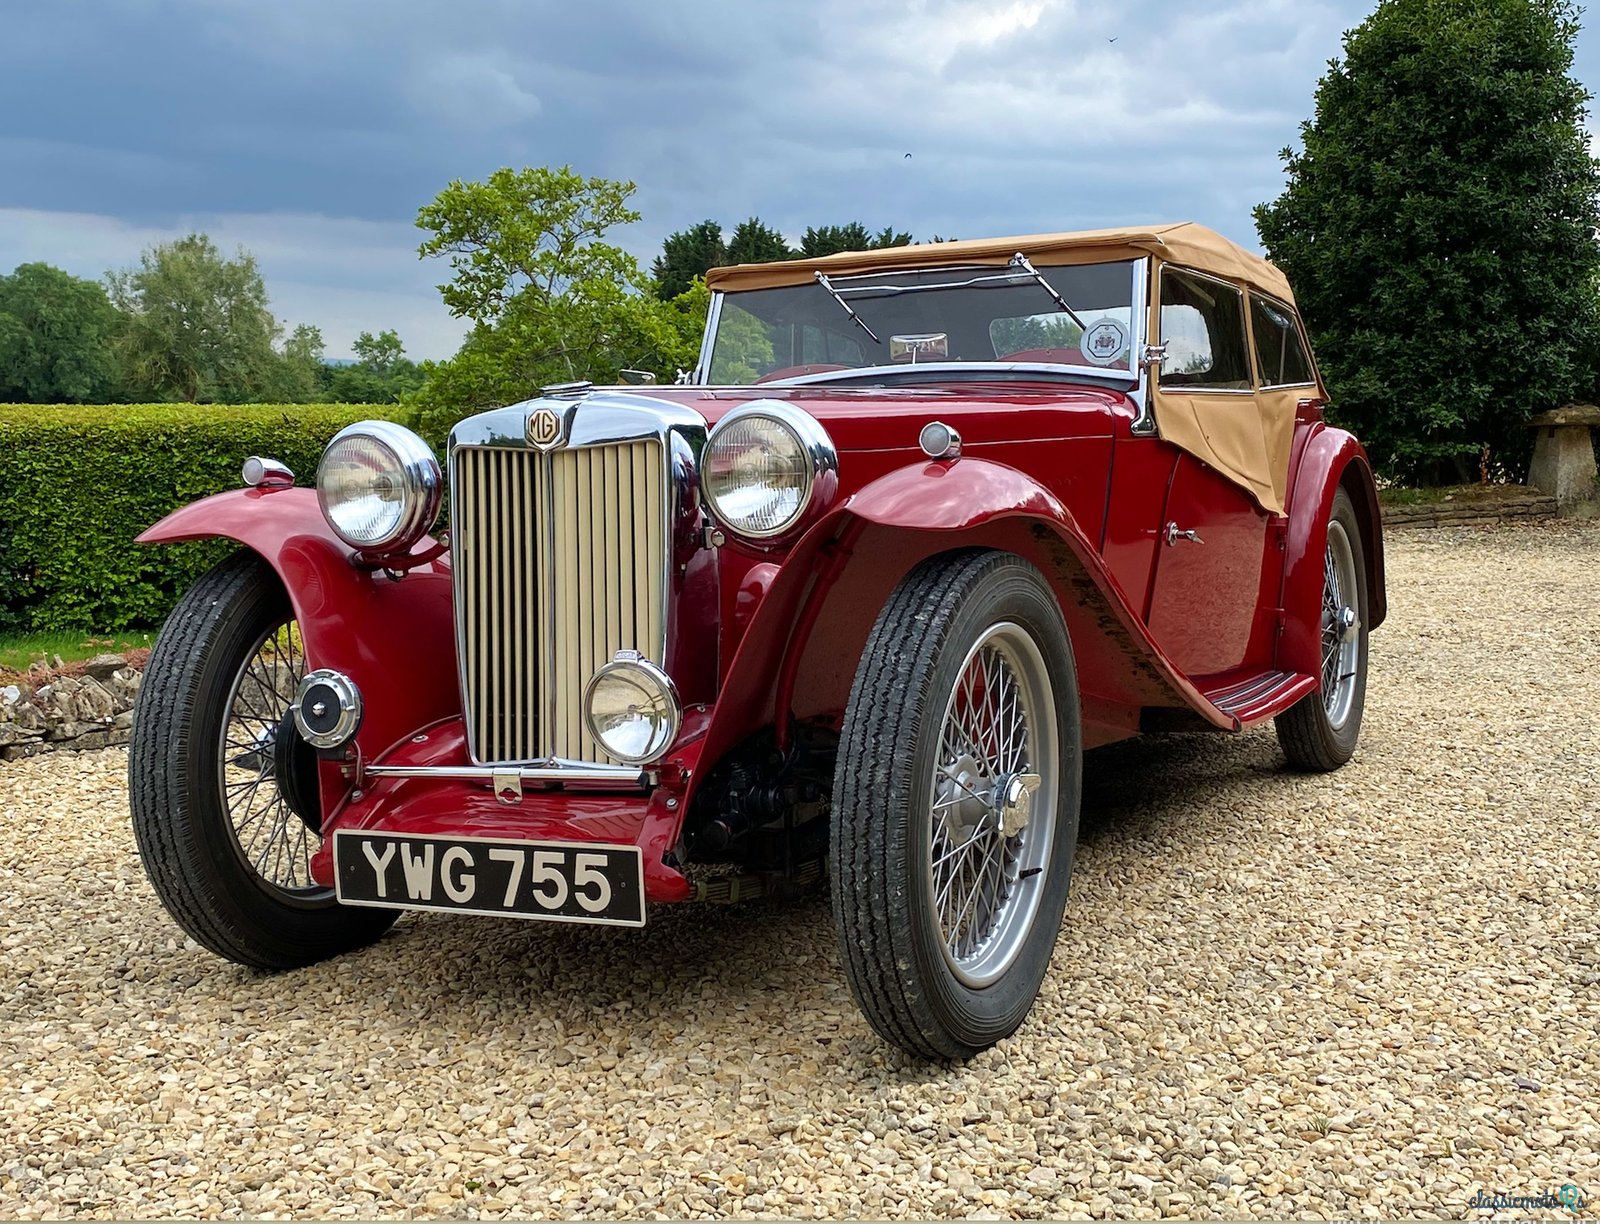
(1174, 535)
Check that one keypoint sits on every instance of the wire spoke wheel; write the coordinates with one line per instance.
(224, 793)
(994, 769)
(1319, 732)
(268, 833)
(955, 813)
(1341, 626)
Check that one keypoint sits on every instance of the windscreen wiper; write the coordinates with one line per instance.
(854, 317)
(1022, 264)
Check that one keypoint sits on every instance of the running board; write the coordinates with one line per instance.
(1261, 697)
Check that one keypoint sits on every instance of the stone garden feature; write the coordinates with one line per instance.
(1563, 456)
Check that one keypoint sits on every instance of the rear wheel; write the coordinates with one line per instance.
(223, 791)
(955, 814)
(1320, 732)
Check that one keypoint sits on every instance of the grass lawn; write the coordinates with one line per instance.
(19, 650)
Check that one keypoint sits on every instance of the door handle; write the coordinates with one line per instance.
(1174, 535)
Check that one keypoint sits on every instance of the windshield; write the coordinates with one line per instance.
(951, 314)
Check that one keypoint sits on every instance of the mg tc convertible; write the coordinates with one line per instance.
(923, 526)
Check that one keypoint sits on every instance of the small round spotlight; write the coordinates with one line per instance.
(939, 441)
(632, 709)
(327, 709)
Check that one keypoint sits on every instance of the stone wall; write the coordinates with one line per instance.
(74, 713)
(1510, 506)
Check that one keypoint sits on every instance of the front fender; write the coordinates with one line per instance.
(838, 576)
(1332, 459)
(355, 621)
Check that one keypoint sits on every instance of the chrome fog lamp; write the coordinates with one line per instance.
(765, 464)
(631, 707)
(327, 709)
(379, 486)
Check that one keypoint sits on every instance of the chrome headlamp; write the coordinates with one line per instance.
(632, 709)
(379, 486)
(766, 464)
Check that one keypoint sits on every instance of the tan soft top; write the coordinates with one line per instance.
(1182, 242)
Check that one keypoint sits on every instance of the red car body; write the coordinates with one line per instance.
(1163, 637)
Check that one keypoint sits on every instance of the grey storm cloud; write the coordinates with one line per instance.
(310, 131)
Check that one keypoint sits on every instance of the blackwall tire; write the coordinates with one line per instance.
(1319, 733)
(185, 787)
(944, 962)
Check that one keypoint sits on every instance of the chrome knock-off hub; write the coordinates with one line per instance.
(1014, 801)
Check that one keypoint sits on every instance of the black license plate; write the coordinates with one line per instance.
(557, 881)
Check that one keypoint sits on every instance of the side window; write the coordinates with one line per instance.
(1280, 349)
(1202, 325)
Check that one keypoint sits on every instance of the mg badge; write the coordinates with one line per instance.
(544, 429)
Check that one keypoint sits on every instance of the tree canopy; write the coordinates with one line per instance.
(1439, 229)
(693, 252)
(56, 337)
(197, 326)
(550, 297)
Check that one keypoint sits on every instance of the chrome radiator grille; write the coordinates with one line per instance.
(560, 561)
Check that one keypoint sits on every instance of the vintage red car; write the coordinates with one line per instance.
(924, 525)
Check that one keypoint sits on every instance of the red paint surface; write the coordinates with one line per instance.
(1050, 472)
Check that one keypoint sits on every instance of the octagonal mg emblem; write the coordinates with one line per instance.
(544, 428)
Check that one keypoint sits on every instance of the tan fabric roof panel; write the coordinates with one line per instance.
(1183, 242)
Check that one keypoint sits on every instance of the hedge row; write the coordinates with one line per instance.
(78, 483)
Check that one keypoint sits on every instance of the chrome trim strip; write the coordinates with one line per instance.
(585, 772)
(1104, 373)
(1144, 425)
(702, 369)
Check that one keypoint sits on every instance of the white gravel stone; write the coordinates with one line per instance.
(1371, 993)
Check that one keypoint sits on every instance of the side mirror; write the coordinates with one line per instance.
(638, 378)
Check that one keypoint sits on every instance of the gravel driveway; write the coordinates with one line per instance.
(1374, 992)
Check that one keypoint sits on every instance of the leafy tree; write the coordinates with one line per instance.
(300, 376)
(753, 242)
(1438, 227)
(550, 299)
(198, 327)
(829, 239)
(382, 352)
(382, 373)
(56, 333)
(685, 255)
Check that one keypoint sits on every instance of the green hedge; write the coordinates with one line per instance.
(78, 483)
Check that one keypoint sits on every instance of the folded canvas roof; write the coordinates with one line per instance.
(1181, 242)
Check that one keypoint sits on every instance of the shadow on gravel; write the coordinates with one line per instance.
(1156, 779)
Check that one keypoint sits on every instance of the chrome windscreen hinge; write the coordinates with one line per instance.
(1154, 355)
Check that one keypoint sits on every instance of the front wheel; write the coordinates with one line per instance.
(1319, 732)
(222, 789)
(955, 815)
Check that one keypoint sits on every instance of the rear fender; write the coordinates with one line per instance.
(352, 620)
(853, 558)
(1332, 459)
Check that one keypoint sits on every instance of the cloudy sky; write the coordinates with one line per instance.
(310, 131)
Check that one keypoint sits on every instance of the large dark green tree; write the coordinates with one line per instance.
(198, 327)
(830, 239)
(56, 338)
(753, 242)
(685, 255)
(1439, 229)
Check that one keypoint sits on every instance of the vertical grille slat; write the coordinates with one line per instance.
(560, 561)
